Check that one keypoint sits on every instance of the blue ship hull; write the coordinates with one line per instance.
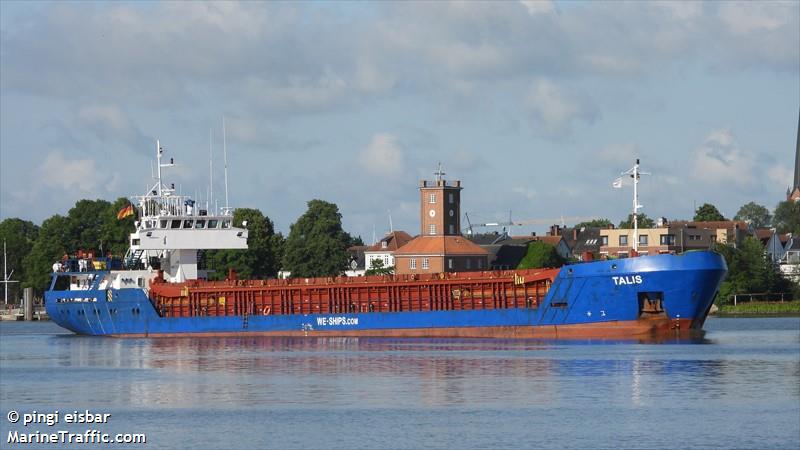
(596, 299)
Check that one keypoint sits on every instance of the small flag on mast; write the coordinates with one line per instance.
(125, 212)
(617, 184)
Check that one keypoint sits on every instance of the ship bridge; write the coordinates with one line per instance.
(171, 230)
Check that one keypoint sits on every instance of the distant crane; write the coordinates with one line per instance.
(519, 223)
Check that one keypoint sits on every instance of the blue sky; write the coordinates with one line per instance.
(535, 106)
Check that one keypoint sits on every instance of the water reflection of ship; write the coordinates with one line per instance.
(364, 372)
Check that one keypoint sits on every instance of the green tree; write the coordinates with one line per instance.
(317, 245)
(787, 217)
(750, 270)
(539, 255)
(353, 241)
(115, 233)
(262, 257)
(376, 268)
(19, 236)
(52, 242)
(86, 223)
(595, 223)
(754, 214)
(642, 220)
(708, 213)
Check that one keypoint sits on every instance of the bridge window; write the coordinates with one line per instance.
(199, 224)
(226, 224)
(212, 223)
(175, 224)
(62, 283)
(163, 224)
(187, 224)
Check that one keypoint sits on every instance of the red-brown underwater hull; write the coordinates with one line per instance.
(653, 328)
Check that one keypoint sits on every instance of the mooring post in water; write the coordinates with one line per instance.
(28, 301)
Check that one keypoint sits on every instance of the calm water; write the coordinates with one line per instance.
(739, 387)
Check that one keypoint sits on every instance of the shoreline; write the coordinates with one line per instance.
(760, 309)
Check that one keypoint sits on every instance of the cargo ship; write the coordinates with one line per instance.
(157, 290)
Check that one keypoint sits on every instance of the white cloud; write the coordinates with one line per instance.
(555, 109)
(621, 156)
(528, 193)
(535, 7)
(750, 17)
(70, 174)
(783, 175)
(681, 10)
(720, 162)
(383, 156)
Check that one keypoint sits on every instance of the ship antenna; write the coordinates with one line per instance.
(158, 163)
(225, 154)
(210, 171)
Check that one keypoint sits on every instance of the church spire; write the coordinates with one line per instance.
(793, 193)
(797, 157)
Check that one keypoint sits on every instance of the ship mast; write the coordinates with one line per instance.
(226, 211)
(634, 173)
(210, 200)
(6, 275)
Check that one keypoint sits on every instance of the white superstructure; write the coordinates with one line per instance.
(170, 230)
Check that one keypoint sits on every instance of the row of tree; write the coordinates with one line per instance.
(316, 246)
(785, 218)
(751, 271)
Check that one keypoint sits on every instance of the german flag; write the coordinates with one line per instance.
(125, 212)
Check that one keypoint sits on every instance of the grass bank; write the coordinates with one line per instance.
(761, 308)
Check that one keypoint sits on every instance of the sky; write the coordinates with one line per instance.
(535, 106)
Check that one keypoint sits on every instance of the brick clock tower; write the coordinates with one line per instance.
(440, 207)
(440, 246)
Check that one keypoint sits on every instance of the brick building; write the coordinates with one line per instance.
(675, 237)
(440, 246)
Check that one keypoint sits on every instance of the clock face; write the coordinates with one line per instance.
(451, 213)
(431, 213)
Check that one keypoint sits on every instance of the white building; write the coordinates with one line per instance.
(384, 249)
